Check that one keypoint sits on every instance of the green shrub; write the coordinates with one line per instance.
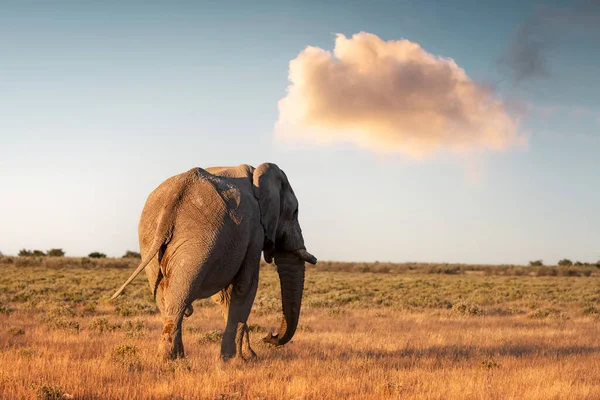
(258, 328)
(55, 253)
(26, 352)
(25, 253)
(134, 329)
(549, 313)
(565, 262)
(127, 355)
(489, 364)
(51, 392)
(135, 308)
(4, 309)
(536, 263)
(132, 254)
(102, 324)
(465, 308)
(211, 337)
(124, 351)
(63, 324)
(96, 254)
(590, 310)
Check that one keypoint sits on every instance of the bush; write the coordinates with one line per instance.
(536, 263)
(96, 254)
(55, 253)
(51, 392)
(132, 254)
(127, 355)
(103, 325)
(213, 336)
(134, 329)
(31, 253)
(465, 308)
(590, 310)
(135, 308)
(4, 309)
(63, 323)
(549, 313)
(25, 253)
(565, 262)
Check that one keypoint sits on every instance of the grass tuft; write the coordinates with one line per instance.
(213, 336)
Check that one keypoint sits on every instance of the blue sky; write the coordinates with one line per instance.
(102, 101)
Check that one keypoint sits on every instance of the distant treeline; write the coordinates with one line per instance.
(61, 253)
(129, 261)
(586, 269)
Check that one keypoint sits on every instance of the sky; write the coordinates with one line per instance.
(411, 130)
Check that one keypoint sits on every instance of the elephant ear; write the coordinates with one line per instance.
(268, 183)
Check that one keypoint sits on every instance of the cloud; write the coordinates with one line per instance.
(391, 96)
(526, 56)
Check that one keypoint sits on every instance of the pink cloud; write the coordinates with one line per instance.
(391, 97)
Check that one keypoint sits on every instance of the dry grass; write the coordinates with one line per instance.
(364, 335)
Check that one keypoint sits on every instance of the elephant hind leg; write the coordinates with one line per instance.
(171, 343)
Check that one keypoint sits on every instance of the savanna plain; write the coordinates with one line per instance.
(367, 331)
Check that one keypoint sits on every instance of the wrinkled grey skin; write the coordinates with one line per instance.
(201, 235)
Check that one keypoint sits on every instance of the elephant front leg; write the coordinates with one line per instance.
(236, 341)
(242, 337)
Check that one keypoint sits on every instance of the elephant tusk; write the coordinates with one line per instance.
(306, 256)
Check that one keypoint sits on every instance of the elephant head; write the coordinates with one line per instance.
(283, 241)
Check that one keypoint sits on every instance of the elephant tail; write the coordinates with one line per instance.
(153, 251)
(165, 226)
(162, 238)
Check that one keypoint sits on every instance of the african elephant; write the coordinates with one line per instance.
(201, 235)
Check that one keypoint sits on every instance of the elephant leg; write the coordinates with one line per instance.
(156, 281)
(242, 294)
(178, 347)
(223, 298)
(171, 343)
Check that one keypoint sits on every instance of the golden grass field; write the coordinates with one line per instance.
(368, 331)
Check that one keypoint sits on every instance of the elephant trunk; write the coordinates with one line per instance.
(291, 277)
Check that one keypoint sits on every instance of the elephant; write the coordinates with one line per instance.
(201, 235)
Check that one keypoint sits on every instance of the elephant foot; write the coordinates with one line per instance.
(249, 354)
(179, 352)
(168, 353)
(228, 346)
(238, 358)
(241, 349)
(171, 345)
(227, 357)
(165, 352)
